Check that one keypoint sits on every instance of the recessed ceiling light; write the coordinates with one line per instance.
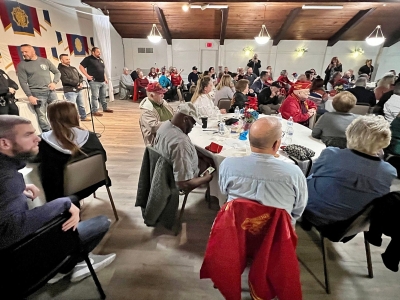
(322, 6)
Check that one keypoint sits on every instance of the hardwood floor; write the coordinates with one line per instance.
(152, 263)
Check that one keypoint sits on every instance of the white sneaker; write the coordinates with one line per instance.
(98, 262)
(58, 277)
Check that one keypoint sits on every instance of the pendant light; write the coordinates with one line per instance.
(263, 37)
(155, 35)
(376, 37)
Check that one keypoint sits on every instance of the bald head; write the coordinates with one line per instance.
(265, 135)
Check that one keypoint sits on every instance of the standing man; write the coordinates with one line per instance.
(34, 78)
(255, 63)
(93, 68)
(72, 84)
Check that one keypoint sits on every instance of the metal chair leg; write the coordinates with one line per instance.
(181, 214)
(94, 195)
(112, 203)
(368, 254)
(208, 196)
(327, 286)
(94, 276)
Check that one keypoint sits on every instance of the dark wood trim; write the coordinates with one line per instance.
(285, 26)
(164, 25)
(394, 38)
(326, 2)
(224, 22)
(350, 24)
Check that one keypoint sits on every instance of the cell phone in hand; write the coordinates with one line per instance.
(210, 170)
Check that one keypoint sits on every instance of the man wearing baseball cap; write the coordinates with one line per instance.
(193, 77)
(297, 105)
(173, 143)
(154, 111)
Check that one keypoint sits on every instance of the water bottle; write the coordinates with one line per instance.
(221, 128)
(237, 112)
(279, 117)
(289, 131)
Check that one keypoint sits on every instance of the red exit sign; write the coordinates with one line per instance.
(209, 45)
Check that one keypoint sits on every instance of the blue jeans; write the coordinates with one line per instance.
(98, 90)
(92, 231)
(41, 110)
(76, 98)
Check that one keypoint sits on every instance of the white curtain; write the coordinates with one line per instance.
(103, 41)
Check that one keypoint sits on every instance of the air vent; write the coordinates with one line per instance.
(141, 50)
(149, 50)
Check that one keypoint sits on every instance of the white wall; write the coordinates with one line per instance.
(188, 53)
(66, 21)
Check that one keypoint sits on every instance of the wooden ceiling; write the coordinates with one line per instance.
(284, 20)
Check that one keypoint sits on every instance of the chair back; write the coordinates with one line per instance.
(84, 173)
(224, 103)
(360, 109)
(30, 263)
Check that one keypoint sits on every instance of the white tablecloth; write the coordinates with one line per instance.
(235, 147)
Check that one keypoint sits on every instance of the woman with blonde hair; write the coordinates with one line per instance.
(201, 98)
(66, 141)
(224, 89)
(344, 181)
(386, 84)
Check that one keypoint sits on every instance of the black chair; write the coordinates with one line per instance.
(27, 265)
(359, 223)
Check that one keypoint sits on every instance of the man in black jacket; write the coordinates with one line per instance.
(363, 95)
(255, 64)
(7, 92)
(268, 99)
(72, 84)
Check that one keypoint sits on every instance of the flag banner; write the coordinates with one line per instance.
(91, 41)
(46, 17)
(77, 44)
(22, 18)
(16, 55)
(59, 37)
(54, 53)
(6, 61)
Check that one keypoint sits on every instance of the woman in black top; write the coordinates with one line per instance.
(240, 97)
(368, 68)
(7, 92)
(334, 66)
(65, 142)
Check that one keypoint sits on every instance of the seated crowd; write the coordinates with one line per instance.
(347, 176)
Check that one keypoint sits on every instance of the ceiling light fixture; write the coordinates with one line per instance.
(322, 6)
(155, 35)
(376, 37)
(185, 7)
(204, 6)
(263, 37)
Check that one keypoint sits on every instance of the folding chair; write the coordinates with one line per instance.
(224, 103)
(360, 109)
(85, 173)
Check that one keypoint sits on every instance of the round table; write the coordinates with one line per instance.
(232, 146)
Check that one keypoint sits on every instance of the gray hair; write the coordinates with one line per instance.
(368, 134)
(386, 81)
(363, 75)
(7, 124)
(283, 72)
(361, 81)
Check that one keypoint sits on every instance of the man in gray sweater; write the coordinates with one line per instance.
(34, 78)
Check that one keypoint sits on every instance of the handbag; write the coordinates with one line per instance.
(299, 152)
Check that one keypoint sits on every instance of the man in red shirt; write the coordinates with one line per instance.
(297, 105)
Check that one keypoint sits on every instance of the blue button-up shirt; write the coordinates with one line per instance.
(265, 179)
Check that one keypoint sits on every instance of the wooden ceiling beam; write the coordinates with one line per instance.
(289, 20)
(394, 38)
(350, 24)
(164, 25)
(224, 22)
(110, 2)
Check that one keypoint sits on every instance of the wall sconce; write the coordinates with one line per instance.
(300, 51)
(357, 51)
(248, 51)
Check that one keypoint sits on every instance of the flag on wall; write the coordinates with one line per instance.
(22, 18)
(16, 55)
(77, 44)
(6, 61)
(54, 53)
(46, 17)
(59, 37)
(91, 41)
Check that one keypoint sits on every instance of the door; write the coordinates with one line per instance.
(209, 58)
